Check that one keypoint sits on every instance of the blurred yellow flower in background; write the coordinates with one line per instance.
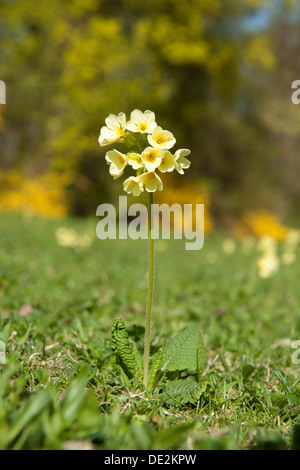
(268, 264)
(259, 223)
(188, 193)
(43, 195)
(267, 244)
(228, 246)
(69, 237)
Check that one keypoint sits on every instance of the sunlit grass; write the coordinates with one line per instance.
(57, 305)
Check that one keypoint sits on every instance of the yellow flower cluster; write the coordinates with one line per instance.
(149, 150)
(43, 195)
(260, 223)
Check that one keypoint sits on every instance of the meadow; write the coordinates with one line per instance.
(61, 289)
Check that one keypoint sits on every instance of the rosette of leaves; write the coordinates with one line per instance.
(184, 353)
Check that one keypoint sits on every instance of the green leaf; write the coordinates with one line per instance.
(155, 369)
(185, 351)
(183, 391)
(123, 349)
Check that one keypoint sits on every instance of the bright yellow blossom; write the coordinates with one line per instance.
(182, 163)
(161, 139)
(168, 162)
(141, 122)
(151, 181)
(152, 158)
(134, 160)
(133, 186)
(114, 130)
(117, 162)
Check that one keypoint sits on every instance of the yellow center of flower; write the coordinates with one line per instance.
(143, 126)
(119, 131)
(160, 140)
(150, 156)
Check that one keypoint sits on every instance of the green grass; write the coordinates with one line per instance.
(60, 388)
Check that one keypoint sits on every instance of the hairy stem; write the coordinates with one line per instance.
(150, 293)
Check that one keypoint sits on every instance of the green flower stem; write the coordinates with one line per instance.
(150, 294)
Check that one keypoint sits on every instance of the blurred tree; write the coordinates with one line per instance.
(67, 65)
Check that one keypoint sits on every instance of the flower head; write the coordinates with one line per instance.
(161, 139)
(151, 181)
(141, 122)
(142, 158)
(117, 162)
(114, 130)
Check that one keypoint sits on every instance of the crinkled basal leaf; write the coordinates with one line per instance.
(155, 369)
(183, 391)
(123, 350)
(185, 351)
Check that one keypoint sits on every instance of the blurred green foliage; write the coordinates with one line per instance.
(223, 88)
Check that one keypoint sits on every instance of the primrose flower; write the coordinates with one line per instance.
(182, 163)
(161, 139)
(152, 158)
(133, 186)
(151, 181)
(134, 160)
(141, 122)
(117, 162)
(168, 162)
(114, 130)
(268, 265)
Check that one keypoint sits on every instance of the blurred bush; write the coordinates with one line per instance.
(260, 223)
(44, 195)
(216, 75)
(187, 193)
